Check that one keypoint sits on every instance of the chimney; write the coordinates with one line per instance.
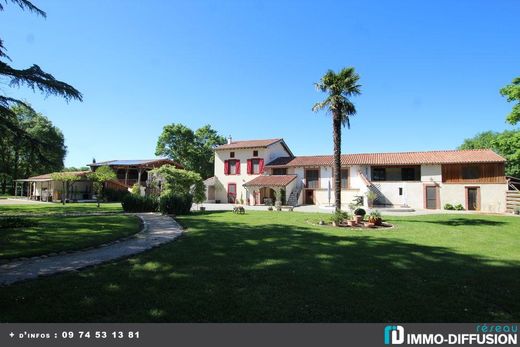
(229, 140)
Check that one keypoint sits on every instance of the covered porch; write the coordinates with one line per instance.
(267, 190)
(44, 188)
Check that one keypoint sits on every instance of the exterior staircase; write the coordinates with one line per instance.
(512, 200)
(116, 185)
(295, 194)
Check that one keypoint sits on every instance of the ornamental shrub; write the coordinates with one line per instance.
(175, 203)
(459, 207)
(449, 207)
(115, 195)
(136, 203)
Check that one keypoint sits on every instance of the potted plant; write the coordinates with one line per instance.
(375, 218)
(359, 214)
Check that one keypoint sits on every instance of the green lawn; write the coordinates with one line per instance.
(57, 208)
(55, 234)
(275, 267)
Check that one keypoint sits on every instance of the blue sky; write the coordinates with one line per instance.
(430, 70)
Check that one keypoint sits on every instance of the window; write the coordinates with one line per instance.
(231, 154)
(378, 174)
(312, 177)
(400, 191)
(255, 166)
(344, 179)
(409, 174)
(255, 153)
(470, 172)
(232, 167)
(280, 171)
(396, 173)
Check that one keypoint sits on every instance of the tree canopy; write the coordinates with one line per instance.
(32, 77)
(512, 93)
(506, 143)
(179, 181)
(21, 157)
(340, 87)
(192, 149)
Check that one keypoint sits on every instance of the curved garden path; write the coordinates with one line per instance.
(158, 229)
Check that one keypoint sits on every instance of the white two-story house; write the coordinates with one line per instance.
(261, 171)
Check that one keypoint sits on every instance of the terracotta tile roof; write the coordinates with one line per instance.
(271, 181)
(315, 160)
(248, 144)
(143, 162)
(400, 158)
(48, 176)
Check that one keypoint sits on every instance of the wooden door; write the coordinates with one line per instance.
(473, 198)
(431, 197)
(232, 193)
(309, 197)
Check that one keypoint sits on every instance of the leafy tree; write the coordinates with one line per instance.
(99, 177)
(340, 88)
(192, 149)
(73, 168)
(34, 78)
(21, 157)
(481, 141)
(506, 143)
(180, 181)
(67, 179)
(512, 92)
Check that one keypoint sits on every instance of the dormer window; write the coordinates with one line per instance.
(255, 153)
(231, 154)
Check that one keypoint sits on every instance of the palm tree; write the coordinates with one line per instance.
(340, 87)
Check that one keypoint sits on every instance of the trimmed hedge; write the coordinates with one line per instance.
(176, 204)
(113, 195)
(136, 203)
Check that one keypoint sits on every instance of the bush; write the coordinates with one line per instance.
(360, 212)
(449, 207)
(114, 195)
(459, 207)
(136, 203)
(136, 189)
(15, 222)
(175, 203)
(339, 217)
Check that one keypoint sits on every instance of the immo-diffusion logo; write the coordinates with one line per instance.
(484, 334)
(394, 335)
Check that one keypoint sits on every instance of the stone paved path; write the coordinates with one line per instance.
(159, 229)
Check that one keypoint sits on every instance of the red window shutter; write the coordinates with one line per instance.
(237, 163)
(261, 166)
(249, 166)
(226, 167)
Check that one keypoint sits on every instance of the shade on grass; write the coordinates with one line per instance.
(276, 267)
(57, 208)
(55, 234)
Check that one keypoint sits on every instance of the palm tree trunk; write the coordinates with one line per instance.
(336, 127)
